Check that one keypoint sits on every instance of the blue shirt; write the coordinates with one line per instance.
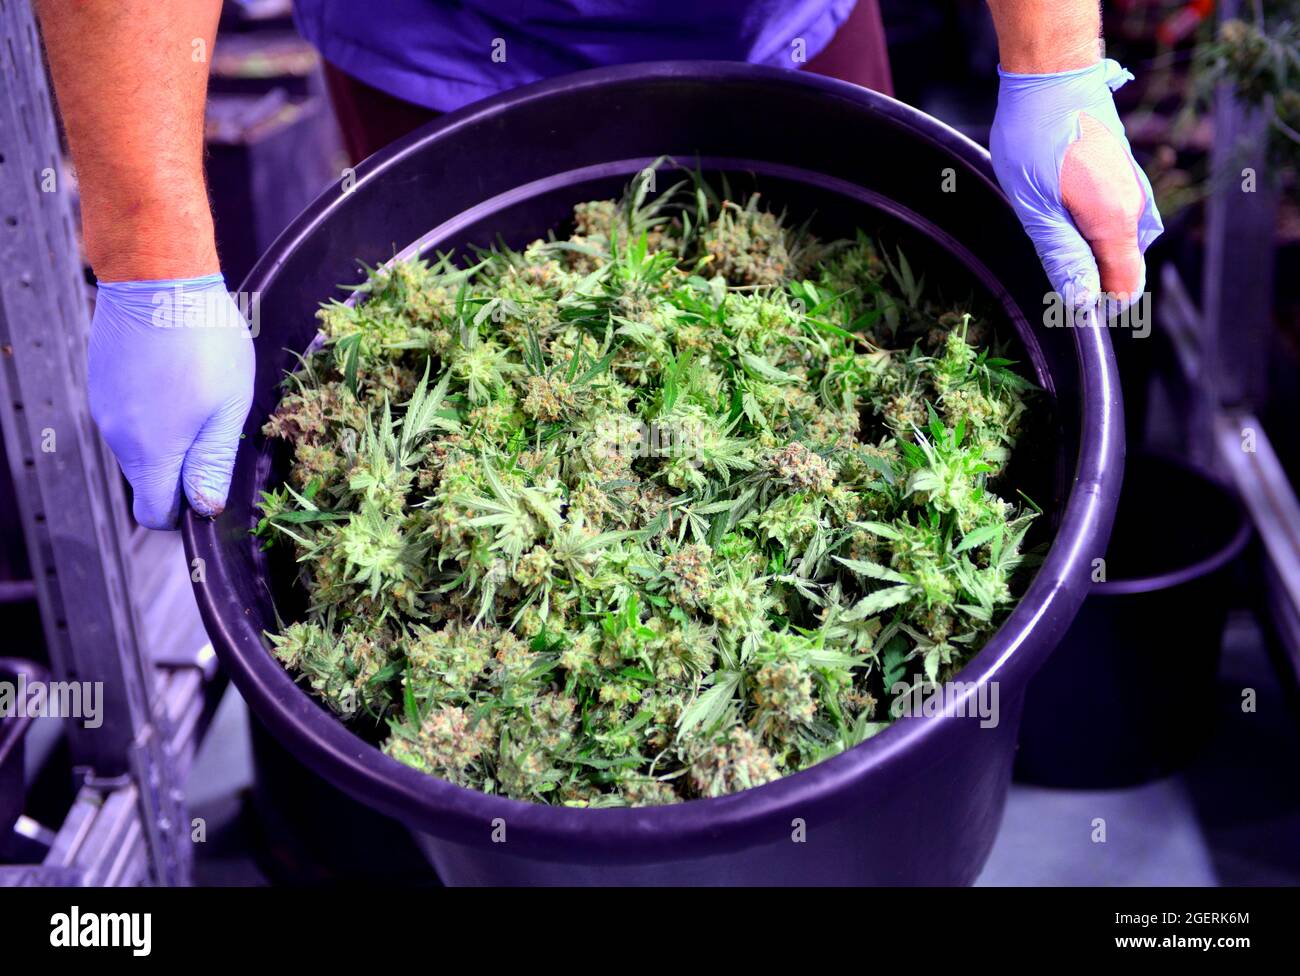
(443, 54)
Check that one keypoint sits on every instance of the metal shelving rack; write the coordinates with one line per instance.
(1222, 349)
(112, 597)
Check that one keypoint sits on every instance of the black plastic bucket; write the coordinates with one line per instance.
(1129, 694)
(921, 801)
(306, 832)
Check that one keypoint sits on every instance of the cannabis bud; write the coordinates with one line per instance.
(658, 509)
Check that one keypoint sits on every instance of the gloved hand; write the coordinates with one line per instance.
(170, 377)
(1060, 153)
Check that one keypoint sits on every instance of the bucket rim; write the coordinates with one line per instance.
(1208, 564)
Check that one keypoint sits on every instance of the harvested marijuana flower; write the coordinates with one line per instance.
(662, 510)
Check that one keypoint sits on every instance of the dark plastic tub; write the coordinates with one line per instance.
(920, 802)
(307, 833)
(1129, 695)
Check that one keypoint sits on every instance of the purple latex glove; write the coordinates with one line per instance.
(170, 376)
(1038, 119)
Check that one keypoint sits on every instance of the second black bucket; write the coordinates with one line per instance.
(1128, 695)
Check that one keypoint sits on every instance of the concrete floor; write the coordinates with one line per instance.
(1233, 818)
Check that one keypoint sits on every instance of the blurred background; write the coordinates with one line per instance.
(1200, 789)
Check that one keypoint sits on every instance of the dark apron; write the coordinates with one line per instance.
(370, 119)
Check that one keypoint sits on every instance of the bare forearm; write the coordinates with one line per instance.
(1043, 36)
(131, 92)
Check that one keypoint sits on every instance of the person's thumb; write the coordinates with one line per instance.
(210, 461)
(1105, 199)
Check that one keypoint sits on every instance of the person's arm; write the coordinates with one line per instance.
(170, 363)
(131, 90)
(1060, 152)
(1041, 36)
